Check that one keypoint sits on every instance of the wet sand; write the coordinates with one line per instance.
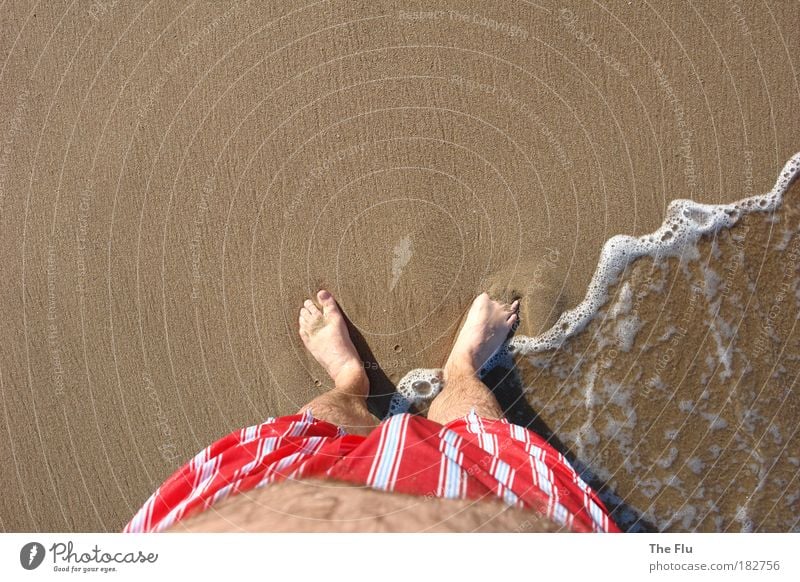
(175, 180)
(680, 398)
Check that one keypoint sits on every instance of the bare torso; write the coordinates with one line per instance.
(329, 506)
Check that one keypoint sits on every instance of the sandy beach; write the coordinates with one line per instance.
(176, 179)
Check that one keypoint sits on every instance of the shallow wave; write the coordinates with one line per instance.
(672, 385)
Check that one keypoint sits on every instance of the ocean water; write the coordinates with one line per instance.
(674, 385)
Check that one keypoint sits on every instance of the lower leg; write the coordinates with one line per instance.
(345, 405)
(324, 333)
(486, 327)
(462, 393)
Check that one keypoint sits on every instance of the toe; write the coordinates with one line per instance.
(311, 307)
(512, 319)
(327, 301)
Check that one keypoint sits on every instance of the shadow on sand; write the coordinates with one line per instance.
(381, 388)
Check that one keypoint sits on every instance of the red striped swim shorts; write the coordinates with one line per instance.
(470, 457)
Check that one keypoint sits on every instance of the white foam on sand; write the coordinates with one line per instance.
(685, 223)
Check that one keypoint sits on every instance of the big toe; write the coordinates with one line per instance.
(327, 301)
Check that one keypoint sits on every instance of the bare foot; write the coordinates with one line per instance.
(324, 333)
(485, 328)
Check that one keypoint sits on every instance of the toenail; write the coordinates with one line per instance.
(323, 294)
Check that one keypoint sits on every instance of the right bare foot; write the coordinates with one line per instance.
(324, 333)
(485, 328)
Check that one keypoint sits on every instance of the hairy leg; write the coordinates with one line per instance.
(324, 333)
(486, 327)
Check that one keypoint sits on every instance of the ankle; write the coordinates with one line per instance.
(352, 379)
(459, 368)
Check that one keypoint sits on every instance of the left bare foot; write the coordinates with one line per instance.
(324, 333)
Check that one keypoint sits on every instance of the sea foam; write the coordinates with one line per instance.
(685, 223)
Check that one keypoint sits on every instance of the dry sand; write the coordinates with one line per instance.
(176, 179)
